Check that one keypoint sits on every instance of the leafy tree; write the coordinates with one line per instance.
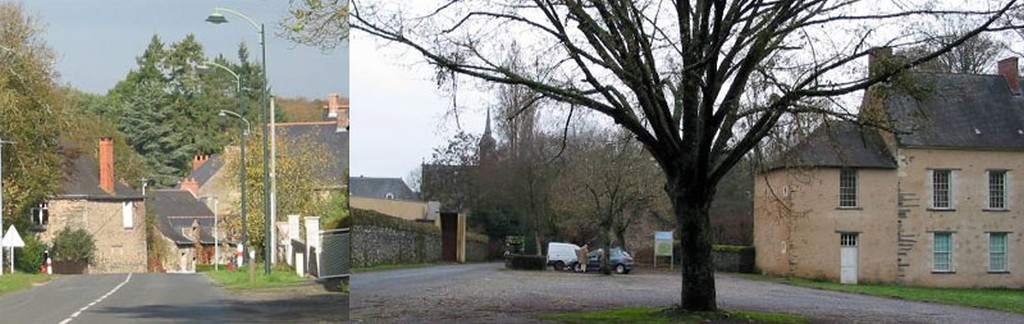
(29, 258)
(29, 113)
(698, 83)
(318, 23)
(73, 245)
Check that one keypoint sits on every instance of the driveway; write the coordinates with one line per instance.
(166, 298)
(487, 292)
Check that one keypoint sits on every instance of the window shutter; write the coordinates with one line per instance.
(931, 188)
(1008, 194)
(127, 214)
(988, 189)
(952, 189)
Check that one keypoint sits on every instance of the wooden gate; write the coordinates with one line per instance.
(450, 237)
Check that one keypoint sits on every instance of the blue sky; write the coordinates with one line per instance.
(97, 41)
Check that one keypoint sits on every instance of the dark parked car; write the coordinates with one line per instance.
(621, 261)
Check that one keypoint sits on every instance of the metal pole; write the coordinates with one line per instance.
(266, 156)
(216, 242)
(2, 142)
(273, 182)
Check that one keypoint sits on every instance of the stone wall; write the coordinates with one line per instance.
(476, 247)
(118, 249)
(375, 245)
(739, 260)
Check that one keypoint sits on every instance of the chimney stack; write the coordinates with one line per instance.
(333, 102)
(190, 185)
(107, 164)
(198, 160)
(1009, 70)
(876, 57)
(343, 118)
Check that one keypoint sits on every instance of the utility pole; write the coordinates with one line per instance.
(2, 142)
(273, 183)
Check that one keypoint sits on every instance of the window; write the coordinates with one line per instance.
(943, 252)
(41, 214)
(942, 195)
(848, 239)
(997, 189)
(127, 214)
(389, 196)
(848, 188)
(997, 252)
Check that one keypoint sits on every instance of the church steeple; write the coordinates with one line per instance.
(487, 143)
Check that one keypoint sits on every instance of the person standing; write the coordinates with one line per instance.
(581, 258)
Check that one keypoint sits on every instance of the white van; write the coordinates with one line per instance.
(561, 254)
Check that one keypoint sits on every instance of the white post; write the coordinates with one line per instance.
(313, 239)
(216, 242)
(293, 234)
(273, 183)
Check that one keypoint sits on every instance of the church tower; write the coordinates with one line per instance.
(487, 144)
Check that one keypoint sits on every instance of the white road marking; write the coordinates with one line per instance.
(97, 301)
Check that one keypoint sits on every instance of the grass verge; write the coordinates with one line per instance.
(238, 279)
(657, 315)
(1007, 300)
(10, 282)
(387, 267)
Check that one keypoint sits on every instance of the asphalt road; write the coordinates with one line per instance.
(488, 293)
(120, 298)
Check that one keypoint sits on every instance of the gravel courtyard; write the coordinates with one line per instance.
(487, 292)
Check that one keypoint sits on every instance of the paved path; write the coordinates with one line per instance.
(118, 298)
(486, 292)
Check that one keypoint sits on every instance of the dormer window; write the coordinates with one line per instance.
(389, 196)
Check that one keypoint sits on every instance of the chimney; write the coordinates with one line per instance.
(876, 56)
(107, 164)
(1008, 69)
(343, 118)
(333, 102)
(190, 185)
(198, 160)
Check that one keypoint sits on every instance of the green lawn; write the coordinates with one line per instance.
(657, 315)
(1008, 300)
(17, 281)
(280, 276)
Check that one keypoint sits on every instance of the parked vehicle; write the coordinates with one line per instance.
(561, 254)
(621, 261)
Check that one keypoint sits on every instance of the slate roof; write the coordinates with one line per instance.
(959, 111)
(208, 169)
(335, 147)
(378, 188)
(81, 180)
(175, 210)
(839, 144)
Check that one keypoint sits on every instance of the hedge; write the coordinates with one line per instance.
(372, 218)
(527, 262)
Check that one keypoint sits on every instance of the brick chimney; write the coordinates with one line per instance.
(107, 164)
(1009, 70)
(343, 118)
(190, 185)
(333, 102)
(198, 160)
(875, 57)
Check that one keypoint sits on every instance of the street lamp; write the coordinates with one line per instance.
(241, 180)
(2, 142)
(217, 17)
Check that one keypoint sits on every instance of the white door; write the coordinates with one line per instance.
(848, 258)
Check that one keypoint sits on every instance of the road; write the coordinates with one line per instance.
(167, 298)
(486, 292)
(119, 298)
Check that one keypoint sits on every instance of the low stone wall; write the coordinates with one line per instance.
(374, 245)
(734, 260)
(477, 247)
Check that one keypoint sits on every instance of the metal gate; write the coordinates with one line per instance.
(335, 255)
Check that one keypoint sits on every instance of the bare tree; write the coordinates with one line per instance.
(674, 74)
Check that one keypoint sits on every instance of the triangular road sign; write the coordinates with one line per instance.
(12, 238)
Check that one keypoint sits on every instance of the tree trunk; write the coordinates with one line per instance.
(620, 236)
(606, 243)
(690, 202)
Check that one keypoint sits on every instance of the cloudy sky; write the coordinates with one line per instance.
(97, 40)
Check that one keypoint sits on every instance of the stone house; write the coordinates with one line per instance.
(931, 200)
(90, 198)
(184, 223)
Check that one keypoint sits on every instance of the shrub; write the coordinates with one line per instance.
(527, 262)
(28, 259)
(73, 245)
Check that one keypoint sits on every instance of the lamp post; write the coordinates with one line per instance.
(2, 142)
(241, 181)
(217, 17)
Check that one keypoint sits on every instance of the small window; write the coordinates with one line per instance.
(41, 214)
(997, 189)
(389, 196)
(942, 247)
(942, 195)
(127, 214)
(848, 239)
(997, 252)
(848, 188)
